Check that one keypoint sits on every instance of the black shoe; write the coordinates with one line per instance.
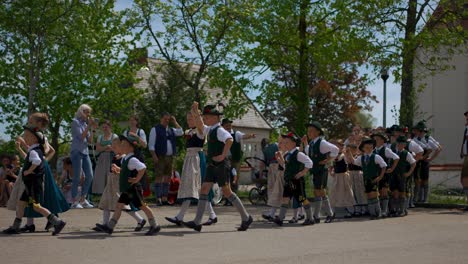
(278, 221)
(174, 220)
(330, 218)
(357, 214)
(308, 222)
(48, 226)
(268, 217)
(293, 220)
(28, 229)
(466, 209)
(140, 226)
(245, 224)
(347, 216)
(58, 228)
(211, 221)
(105, 229)
(193, 226)
(11, 231)
(153, 230)
(317, 220)
(301, 217)
(97, 229)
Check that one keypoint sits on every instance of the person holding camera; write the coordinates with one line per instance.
(83, 128)
(7, 179)
(162, 146)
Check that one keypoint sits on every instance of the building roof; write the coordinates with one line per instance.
(251, 119)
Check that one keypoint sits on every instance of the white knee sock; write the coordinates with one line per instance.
(105, 217)
(273, 212)
(136, 216)
(210, 209)
(183, 208)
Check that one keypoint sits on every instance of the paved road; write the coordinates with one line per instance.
(425, 236)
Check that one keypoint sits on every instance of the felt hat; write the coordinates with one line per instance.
(381, 135)
(212, 110)
(130, 139)
(365, 141)
(317, 125)
(226, 121)
(402, 139)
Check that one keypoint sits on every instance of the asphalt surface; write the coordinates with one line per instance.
(425, 236)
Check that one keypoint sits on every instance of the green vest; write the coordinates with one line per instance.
(236, 149)
(215, 147)
(316, 156)
(403, 165)
(381, 153)
(371, 170)
(293, 166)
(125, 173)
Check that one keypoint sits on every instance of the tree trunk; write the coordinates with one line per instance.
(32, 79)
(301, 98)
(408, 95)
(55, 134)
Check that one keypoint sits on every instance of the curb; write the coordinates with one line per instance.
(440, 206)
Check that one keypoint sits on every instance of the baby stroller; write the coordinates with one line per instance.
(258, 194)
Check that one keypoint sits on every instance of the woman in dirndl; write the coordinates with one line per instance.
(104, 162)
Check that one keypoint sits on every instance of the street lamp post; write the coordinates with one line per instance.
(384, 76)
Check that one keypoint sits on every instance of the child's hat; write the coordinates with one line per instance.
(366, 141)
(36, 132)
(421, 126)
(226, 121)
(291, 136)
(402, 139)
(212, 109)
(381, 135)
(317, 125)
(130, 139)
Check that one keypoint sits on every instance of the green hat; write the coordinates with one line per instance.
(130, 139)
(226, 121)
(402, 139)
(212, 110)
(317, 125)
(36, 132)
(421, 126)
(381, 135)
(365, 141)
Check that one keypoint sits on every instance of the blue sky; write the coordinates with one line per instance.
(393, 91)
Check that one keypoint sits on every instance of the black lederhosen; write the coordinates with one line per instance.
(133, 195)
(385, 182)
(295, 189)
(218, 172)
(423, 170)
(370, 186)
(398, 183)
(34, 191)
(320, 178)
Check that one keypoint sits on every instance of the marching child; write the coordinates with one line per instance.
(131, 172)
(33, 178)
(404, 169)
(391, 159)
(296, 164)
(111, 193)
(373, 168)
(321, 152)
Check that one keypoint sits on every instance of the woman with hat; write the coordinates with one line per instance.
(321, 152)
(373, 168)
(219, 144)
(391, 159)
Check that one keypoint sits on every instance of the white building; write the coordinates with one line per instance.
(442, 103)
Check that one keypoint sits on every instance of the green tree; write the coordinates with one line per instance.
(202, 34)
(57, 55)
(423, 32)
(303, 44)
